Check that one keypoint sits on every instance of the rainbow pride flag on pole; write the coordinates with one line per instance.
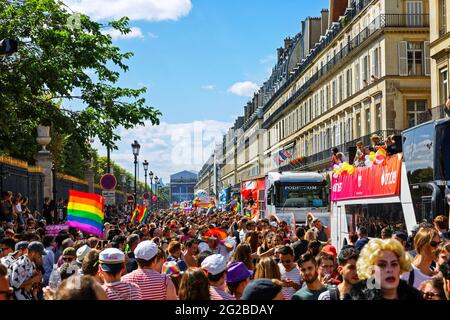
(85, 211)
(136, 212)
(144, 214)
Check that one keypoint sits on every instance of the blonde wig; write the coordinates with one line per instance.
(373, 251)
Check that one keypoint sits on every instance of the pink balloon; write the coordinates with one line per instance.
(154, 198)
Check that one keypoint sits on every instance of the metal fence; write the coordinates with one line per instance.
(19, 177)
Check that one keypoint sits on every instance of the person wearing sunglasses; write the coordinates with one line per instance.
(433, 289)
(425, 242)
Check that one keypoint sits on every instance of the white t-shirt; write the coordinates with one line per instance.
(293, 275)
(419, 277)
(242, 234)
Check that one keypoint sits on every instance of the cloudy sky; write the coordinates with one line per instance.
(201, 61)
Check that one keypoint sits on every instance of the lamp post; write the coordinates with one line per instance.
(156, 191)
(150, 175)
(135, 147)
(54, 191)
(145, 163)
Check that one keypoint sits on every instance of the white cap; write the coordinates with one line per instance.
(273, 223)
(82, 252)
(111, 256)
(203, 246)
(146, 250)
(215, 264)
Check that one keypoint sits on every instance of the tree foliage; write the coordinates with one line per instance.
(56, 64)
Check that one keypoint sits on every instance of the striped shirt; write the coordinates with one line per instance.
(153, 285)
(293, 275)
(122, 291)
(218, 293)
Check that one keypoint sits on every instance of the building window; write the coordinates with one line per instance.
(415, 108)
(442, 17)
(443, 85)
(366, 71)
(341, 88)
(368, 121)
(376, 64)
(414, 11)
(358, 125)
(415, 58)
(327, 97)
(357, 78)
(334, 93)
(349, 82)
(379, 115)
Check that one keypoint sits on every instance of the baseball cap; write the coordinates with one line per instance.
(273, 224)
(329, 249)
(82, 252)
(316, 220)
(261, 289)
(146, 250)
(215, 264)
(21, 245)
(237, 272)
(36, 246)
(111, 259)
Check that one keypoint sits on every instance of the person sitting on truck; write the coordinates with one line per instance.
(376, 143)
(360, 156)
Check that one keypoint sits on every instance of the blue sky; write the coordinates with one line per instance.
(201, 60)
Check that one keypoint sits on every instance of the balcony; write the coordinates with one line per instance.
(433, 114)
(322, 157)
(380, 22)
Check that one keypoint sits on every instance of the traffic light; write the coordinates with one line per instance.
(7, 47)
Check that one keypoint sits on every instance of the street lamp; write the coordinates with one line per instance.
(135, 147)
(150, 175)
(156, 191)
(145, 163)
(54, 191)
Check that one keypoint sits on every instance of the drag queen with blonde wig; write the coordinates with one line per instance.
(380, 265)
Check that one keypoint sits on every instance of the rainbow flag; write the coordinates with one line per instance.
(136, 212)
(144, 214)
(85, 212)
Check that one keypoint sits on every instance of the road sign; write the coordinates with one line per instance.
(146, 195)
(110, 197)
(108, 182)
(130, 200)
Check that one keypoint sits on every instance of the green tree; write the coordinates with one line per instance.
(54, 62)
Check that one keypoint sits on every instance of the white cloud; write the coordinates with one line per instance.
(152, 35)
(117, 35)
(209, 87)
(150, 10)
(169, 147)
(244, 89)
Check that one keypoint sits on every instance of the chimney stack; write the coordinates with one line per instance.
(324, 21)
(280, 52)
(337, 9)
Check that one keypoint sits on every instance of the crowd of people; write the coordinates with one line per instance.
(221, 255)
